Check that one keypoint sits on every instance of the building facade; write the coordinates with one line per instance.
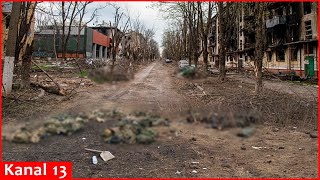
(92, 43)
(291, 39)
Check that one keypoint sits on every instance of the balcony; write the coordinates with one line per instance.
(276, 20)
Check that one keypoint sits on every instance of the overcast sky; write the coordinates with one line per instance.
(150, 17)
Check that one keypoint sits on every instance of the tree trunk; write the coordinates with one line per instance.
(63, 42)
(259, 7)
(222, 47)
(8, 65)
(205, 52)
(25, 68)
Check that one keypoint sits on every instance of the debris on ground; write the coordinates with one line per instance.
(94, 160)
(105, 155)
(188, 71)
(191, 72)
(134, 129)
(246, 132)
(105, 115)
(259, 147)
(222, 121)
(66, 125)
(63, 124)
(110, 74)
(314, 134)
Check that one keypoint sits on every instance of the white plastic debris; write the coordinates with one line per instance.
(194, 171)
(178, 172)
(258, 147)
(204, 168)
(94, 160)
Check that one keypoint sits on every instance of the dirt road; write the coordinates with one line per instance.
(194, 150)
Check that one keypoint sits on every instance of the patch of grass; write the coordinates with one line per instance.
(83, 74)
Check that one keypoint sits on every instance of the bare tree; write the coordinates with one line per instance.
(67, 13)
(11, 48)
(25, 24)
(116, 35)
(259, 45)
(82, 11)
(204, 29)
(222, 44)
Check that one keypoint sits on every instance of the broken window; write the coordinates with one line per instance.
(280, 12)
(269, 56)
(308, 29)
(307, 7)
(294, 54)
(280, 55)
(241, 46)
(308, 49)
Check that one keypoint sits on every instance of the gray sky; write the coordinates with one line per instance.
(150, 17)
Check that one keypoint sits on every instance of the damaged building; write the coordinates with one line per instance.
(92, 43)
(291, 36)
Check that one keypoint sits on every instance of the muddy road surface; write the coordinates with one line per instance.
(186, 150)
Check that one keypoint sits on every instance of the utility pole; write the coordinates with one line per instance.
(8, 63)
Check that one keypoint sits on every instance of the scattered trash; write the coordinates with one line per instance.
(94, 160)
(314, 134)
(301, 148)
(105, 155)
(84, 138)
(246, 132)
(178, 172)
(204, 168)
(195, 162)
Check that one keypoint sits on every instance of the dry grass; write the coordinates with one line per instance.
(271, 107)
